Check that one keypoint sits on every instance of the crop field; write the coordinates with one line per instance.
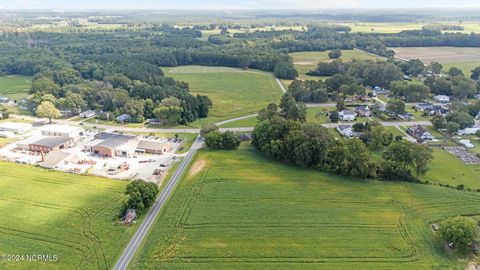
(447, 169)
(15, 86)
(443, 55)
(389, 28)
(234, 92)
(306, 61)
(238, 210)
(52, 213)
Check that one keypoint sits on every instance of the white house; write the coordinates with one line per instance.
(88, 114)
(467, 143)
(468, 131)
(347, 115)
(345, 130)
(62, 131)
(17, 128)
(442, 98)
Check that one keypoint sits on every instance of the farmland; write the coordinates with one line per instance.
(397, 27)
(306, 61)
(53, 213)
(230, 202)
(447, 169)
(15, 87)
(234, 92)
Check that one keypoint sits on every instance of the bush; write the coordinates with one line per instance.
(459, 230)
(334, 54)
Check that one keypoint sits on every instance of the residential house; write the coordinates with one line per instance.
(363, 111)
(347, 115)
(4, 99)
(406, 116)
(442, 98)
(477, 96)
(466, 143)
(420, 134)
(468, 131)
(345, 130)
(380, 91)
(88, 114)
(123, 118)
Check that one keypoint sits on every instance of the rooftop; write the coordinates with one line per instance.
(14, 125)
(151, 145)
(111, 140)
(60, 128)
(52, 141)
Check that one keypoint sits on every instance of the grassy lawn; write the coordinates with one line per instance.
(231, 201)
(15, 86)
(318, 115)
(248, 122)
(113, 123)
(306, 61)
(54, 213)
(447, 169)
(395, 131)
(234, 92)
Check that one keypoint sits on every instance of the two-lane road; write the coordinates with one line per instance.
(142, 231)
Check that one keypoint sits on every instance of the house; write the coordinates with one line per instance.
(380, 91)
(347, 115)
(420, 134)
(468, 131)
(110, 145)
(424, 106)
(406, 116)
(345, 130)
(123, 118)
(365, 98)
(54, 130)
(17, 128)
(3, 99)
(477, 96)
(363, 111)
(129, 216)
(154, 122)
(153, 147)
(466, 143)
(477, 116)
(87, 114)
(49, 144)
(442, 98)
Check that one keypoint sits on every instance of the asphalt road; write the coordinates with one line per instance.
(149, 220)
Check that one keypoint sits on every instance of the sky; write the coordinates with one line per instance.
(235, 4)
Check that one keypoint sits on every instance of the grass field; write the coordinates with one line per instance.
(53, 213)
(447, 169)
(369, 27)
(234, 92)
(248, 122)
(15, 86)
(306, 61)
(466, 67)
(238, 210)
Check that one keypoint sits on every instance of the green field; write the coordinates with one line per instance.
(53, 213)
(466, 67)
(15, 86)
(248, 122)
(238, 210)
(306, 61)
(234, 92)
(393, 27)
(447, 169)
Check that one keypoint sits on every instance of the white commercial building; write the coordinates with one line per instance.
(17, 128)
(62, 131)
